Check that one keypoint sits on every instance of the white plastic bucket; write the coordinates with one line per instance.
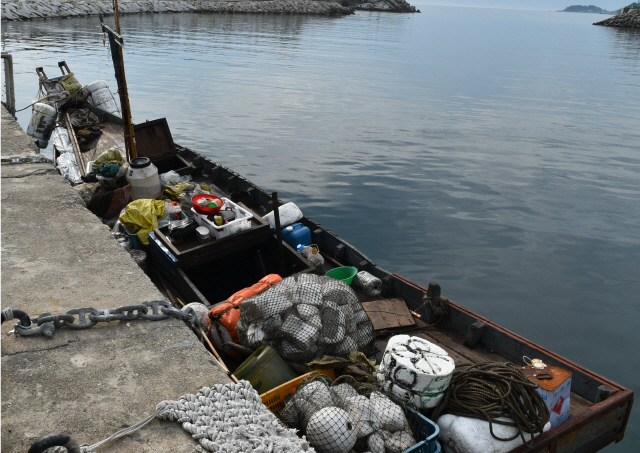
(144, 179)
(99, 94)
(42, 123)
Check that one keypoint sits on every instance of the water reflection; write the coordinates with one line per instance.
(493, 151)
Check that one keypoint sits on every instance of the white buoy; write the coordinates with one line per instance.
(42, 123)
(332, 430)
(99, 94)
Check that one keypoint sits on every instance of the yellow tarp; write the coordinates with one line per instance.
(174, 192)
(113, 155)
(141, 217)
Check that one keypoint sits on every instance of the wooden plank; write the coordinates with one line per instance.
(388, 313)
(74, 143)
(579, 404)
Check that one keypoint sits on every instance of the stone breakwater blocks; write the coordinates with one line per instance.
(417, 366)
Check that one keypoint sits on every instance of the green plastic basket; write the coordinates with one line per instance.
(346, 274)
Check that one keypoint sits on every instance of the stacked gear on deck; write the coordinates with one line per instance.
(224, 316)
(305, 317)
(490, 407)
(415, 366)
(338, 419)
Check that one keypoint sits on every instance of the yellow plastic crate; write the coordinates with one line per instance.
(274, 398)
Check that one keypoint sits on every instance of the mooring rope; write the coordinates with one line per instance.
(490, 390)
(83, 118)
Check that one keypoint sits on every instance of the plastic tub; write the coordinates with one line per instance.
(265, 369)
(134, 239)
(426, 432)
(241, 223)
(345, 273)
(204, 210)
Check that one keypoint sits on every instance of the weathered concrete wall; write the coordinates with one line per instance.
(629, 18)
(57, 256)
(44, 9)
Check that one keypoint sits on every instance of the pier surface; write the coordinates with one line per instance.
(57, 256)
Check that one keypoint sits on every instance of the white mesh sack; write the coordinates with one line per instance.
(305, 317)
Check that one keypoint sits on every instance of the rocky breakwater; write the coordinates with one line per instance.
(628, 18)
(45, 9)
(391, 6)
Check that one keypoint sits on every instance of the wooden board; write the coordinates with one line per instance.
(388, 313)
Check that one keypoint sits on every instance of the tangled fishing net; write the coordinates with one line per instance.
(304, 317)
(336, 418)
(227, 418)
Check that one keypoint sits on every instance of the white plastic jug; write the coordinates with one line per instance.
(144, 179)
(99, 94)
(43, 120)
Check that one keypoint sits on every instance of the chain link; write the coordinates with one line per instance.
(38, 159)
(160, 309)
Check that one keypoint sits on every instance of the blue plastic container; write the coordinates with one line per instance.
(296, 234)
(426, 432)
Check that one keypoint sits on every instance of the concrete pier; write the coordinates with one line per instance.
(57, 256)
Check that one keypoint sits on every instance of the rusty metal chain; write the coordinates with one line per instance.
(37, 159)
(76, 319)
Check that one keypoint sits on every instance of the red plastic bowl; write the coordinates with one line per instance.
(204, 210)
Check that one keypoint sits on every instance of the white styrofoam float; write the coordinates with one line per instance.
(417, 366)
(470, 435)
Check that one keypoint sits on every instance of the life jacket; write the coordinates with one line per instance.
(225, 316)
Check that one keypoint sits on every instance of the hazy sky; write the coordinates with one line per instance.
(546, 5)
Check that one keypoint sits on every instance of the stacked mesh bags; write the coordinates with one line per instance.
(337, 419)
(304, 317)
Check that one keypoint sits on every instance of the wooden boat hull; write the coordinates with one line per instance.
(600, 407)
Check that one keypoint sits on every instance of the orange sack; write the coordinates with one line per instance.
(224, 317)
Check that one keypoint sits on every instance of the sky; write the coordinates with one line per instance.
(545, 5)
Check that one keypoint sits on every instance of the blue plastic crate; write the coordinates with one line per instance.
(135, 241)
(426, 431)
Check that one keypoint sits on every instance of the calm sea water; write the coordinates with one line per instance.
(493, 151)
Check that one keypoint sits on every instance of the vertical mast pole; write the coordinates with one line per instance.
(115, 40)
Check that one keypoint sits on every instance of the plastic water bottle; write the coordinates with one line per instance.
(312, 254)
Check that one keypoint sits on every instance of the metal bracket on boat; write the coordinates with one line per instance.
(474, 334)
(160, 309)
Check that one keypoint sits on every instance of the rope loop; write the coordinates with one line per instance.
(492, 390)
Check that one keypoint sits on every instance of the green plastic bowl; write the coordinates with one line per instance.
(346, 274)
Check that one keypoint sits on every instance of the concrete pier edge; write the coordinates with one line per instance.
(56, 256)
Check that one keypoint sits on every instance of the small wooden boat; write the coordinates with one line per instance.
(600, 408)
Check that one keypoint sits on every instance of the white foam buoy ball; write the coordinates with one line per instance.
(375, 443)
(391, 416)
(332, 430)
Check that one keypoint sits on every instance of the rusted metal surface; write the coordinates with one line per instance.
(549, 378)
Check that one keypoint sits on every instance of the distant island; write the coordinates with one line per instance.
(595, 9)
(583, 9)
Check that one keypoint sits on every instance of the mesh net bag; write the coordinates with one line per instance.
(339, 418)
(305, 317)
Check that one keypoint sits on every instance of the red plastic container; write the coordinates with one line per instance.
(203, 209)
